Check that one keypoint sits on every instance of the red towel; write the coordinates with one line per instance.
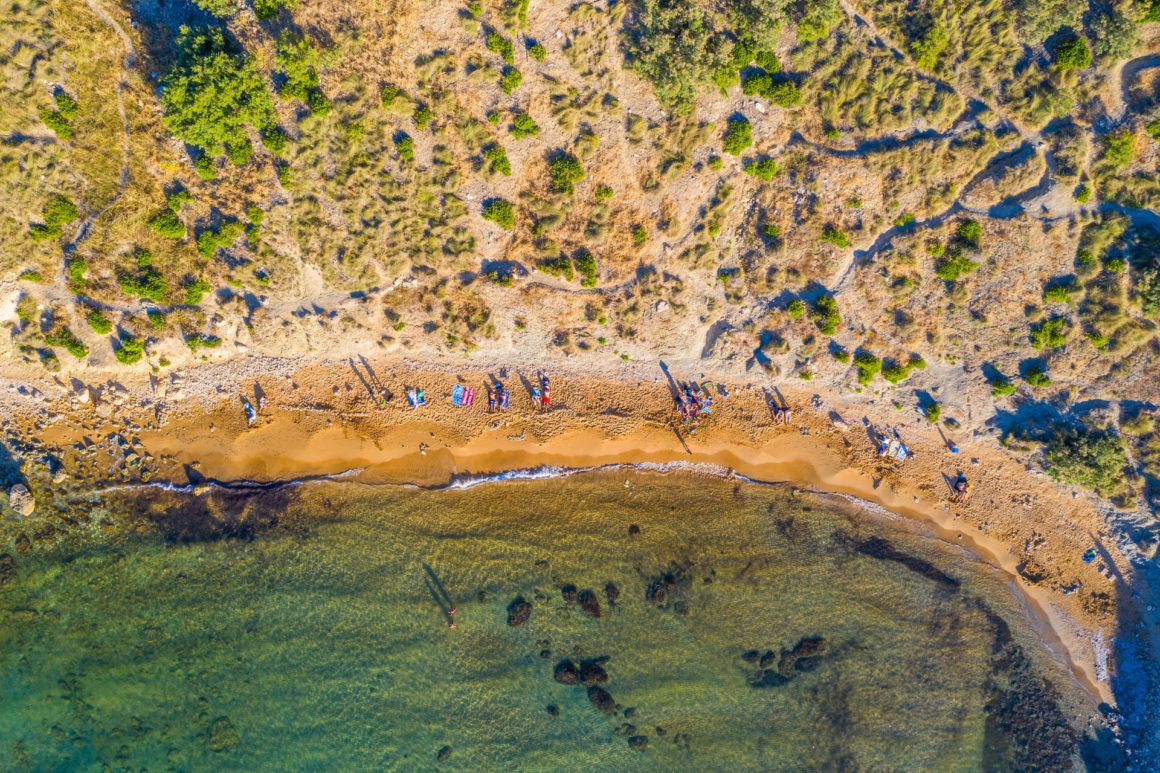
(468, 396)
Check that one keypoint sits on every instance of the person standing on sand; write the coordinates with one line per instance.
(491, 398)
(546, 397)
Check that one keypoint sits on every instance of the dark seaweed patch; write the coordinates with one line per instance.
(877, 547)
(217, 514)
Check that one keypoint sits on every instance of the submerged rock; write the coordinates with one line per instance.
(21, 500)
(611, 592)
(767, 678)
(7, 568)
(570, 593)
(553, 710)
(807, 649)
(518, 611)
(750, 656)
(766, 659)
(600, 698)
(566, 673)
(222, 735)
(589, 603)
(443, 754)
(592, 671)
(638, 742)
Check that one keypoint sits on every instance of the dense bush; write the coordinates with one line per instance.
(970, 233)
(950, 267)
(565, 170)
(510, 80)
(1001, 386)
(77, 268)
(297, 62)
(796, 308)
(825, 315)
(1050, 334)
(498, 44)
(213, 93)
(1113, 34)
(1036, 376)
(58, 211)
(836, 237)
(675, 45)
(389, 94)
(559, 266)
(99, 323)
(738, 136)
(146, 282)
(523, 126)
(1095, 459)
(868, 366)
(405, 146)
(64, 338)
(168, 224)
(195, 289)
(895, 372)
(537, 51)
(422, 116)
(815, 18)
(129, 349)
(60, 125)
(268, 9)
(927, 49)
(239, 153)
(210, 240)
(586, 266)
(604, 192)
(220, 8)
(932, 412)
(499, 211)
(764, 168)
(1073, 54)
(497, 159)
(1119, 147)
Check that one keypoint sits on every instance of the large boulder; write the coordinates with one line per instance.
(21, 500)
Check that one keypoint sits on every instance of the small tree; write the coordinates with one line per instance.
(565, 170)
(1073, 54)
(738, 136)
(499, 211)
(1093, 459)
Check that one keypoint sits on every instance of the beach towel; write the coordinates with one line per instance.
(892, 449)
(416, 397)
(457, 395)
(468, 397)
(505, 399)
(903, 452)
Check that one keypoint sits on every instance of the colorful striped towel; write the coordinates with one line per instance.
(468, 396)
(457, 395)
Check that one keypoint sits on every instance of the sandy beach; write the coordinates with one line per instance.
(325, 418)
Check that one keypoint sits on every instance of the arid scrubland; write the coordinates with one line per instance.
(952, 209)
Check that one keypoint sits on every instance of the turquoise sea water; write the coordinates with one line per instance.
(301, 630)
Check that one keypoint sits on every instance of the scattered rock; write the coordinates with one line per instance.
(21, 500)
(519, 611)
(600, 698)
(638, 742)
(443, 754)
(589, 603)
(570, 593)
(566, 673)
(611, 592)
(222, 735)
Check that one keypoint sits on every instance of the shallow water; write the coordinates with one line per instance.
(316, 642)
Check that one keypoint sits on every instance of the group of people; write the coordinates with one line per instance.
(499, 397)
(542, 394)
(695, 404)
(961, 490)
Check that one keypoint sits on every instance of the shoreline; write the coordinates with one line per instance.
(318, 422)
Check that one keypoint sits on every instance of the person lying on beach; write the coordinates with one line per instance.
(491, 398)
(546, 399)
(537, 400)
(962, 489)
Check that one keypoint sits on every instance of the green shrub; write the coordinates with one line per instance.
(239, 153)
(194, 291)
(815, 19)
(273, 138)
(868, 366)
(738, 136)
(970, 233)
(1153, 126)
(1146, 291)
(932, 412)
(675, 46)
(825, 315)
(166, 223)
(99, 323)
(586, 266)
(388, 95)
(204, 167)
(296, 60)
(59, 125)
(785, 94)
(903, 220)
(840, 354)
(523, 126)
(796, 308)
(179, 198)
(156, 318)
(77, 267)
(1094, 459)
(58, 211)
(197, 341)
(210, 240)
(1060, 291)
(1119, 148)
(268, 9)
(950, 267)
(1036, 376)
(537, 51)
(1001, 386)
(64, 338)
(219, 8)
(604, 192)
(1114, 35)
(66, 105)
(836, 237)
(28, 275)
(559, 266)
(129, 350)
(639, 235)
(1098, 339)
(927, 49)
(1083, 193)
(213, 93)
(405, 147)
(498, 44)
(764, 168)
(894, 371)
(146, 282)
(499, 211)
(422, 116)
(565, 170)
(497, 159)
(1073, 54)
(510, 80)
